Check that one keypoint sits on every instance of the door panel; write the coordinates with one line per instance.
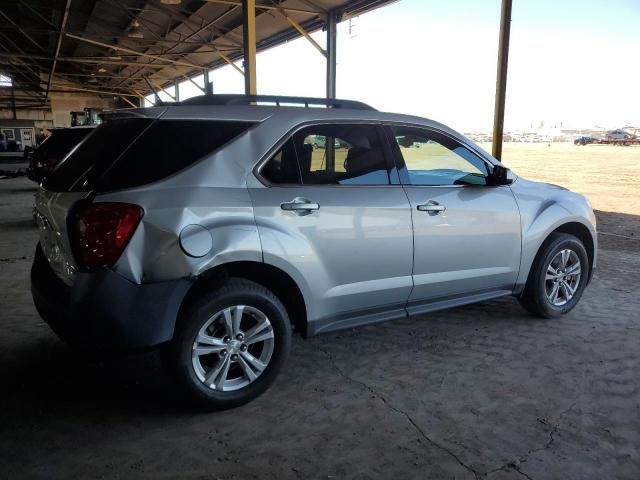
(353, 254)
(467, 234)
(472, 245)
(331, 219)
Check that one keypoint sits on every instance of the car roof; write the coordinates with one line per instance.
(277, 110)
(286, 114)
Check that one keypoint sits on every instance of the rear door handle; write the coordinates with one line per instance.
(301, 206)
(433, 208)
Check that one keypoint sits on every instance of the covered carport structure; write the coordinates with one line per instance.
(479, 392)
(130, 48)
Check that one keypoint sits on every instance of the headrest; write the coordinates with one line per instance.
(359, 140)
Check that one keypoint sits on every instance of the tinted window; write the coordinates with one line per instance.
(60, 142)
(330, 155)
(167, 147)
(283, 166)
(101, 148)
(131, 152)
(430, 158)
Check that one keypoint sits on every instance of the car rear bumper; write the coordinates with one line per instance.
(103, 310)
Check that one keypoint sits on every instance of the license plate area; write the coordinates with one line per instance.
(52, 245)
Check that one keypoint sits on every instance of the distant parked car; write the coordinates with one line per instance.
(53, 149)
(618, 135)
(584, 140)
(321, 142)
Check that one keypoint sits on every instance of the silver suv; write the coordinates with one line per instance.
(216, 226)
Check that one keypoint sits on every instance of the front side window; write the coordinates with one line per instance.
(432, 159)
(330, 155)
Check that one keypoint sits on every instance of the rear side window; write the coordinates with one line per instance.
(61, 142)
(97, 153)
(131, 152)
(167, 147)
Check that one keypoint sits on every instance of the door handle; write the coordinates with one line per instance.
(431, 207)
(301, 206)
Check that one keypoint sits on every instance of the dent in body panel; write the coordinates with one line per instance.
(154, 253)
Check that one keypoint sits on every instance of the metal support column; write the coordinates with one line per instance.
(176, 90)
(332, 32)
(332, 38)
(249, 46)
(208, 86)
(501, 81)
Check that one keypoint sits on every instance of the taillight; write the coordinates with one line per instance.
(103, 231)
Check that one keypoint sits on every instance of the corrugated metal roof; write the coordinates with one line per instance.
(101, 48)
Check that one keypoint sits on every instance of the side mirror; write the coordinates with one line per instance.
(500, 176)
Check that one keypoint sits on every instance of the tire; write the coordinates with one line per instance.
(219, 308)
(539, 288)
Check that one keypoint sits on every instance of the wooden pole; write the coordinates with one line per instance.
(501, 81)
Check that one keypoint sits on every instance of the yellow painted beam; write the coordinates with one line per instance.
(128, 101)
(300, 29)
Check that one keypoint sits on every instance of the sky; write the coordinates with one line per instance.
(572, 63)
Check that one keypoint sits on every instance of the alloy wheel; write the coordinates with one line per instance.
(562, 277)
(233, 348)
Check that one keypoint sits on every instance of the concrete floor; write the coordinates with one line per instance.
(482, 391)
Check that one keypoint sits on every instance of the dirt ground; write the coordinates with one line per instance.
(485, 391)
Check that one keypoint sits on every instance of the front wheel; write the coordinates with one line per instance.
(557, 278)
(231, 344)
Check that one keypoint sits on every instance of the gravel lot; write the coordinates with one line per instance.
(485, 391)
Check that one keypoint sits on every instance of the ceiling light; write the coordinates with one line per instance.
(102, 70)
(135, 31)
(171, 2)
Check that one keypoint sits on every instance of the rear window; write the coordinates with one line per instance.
(133, 152)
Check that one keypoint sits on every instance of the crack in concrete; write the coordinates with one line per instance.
(507, 468)
(13, 259)
(512, 465)
(515, 465)
(399, 411)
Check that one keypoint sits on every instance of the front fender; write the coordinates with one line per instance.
(544, 209)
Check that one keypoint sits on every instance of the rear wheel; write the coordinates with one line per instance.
(231, 344)
(557, 278)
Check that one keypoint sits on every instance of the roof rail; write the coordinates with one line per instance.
(233, 99)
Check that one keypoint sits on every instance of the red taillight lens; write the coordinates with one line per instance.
(103, 230)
